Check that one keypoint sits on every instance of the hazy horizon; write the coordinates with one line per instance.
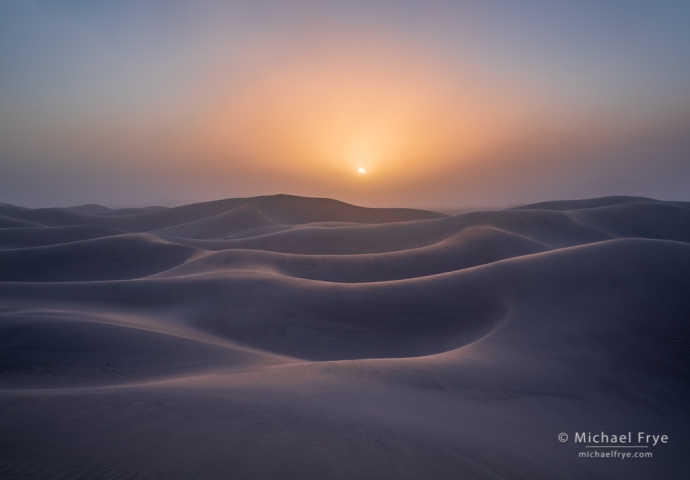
(444, 104)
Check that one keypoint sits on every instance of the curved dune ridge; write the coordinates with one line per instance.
(275, 297)
(314, 279)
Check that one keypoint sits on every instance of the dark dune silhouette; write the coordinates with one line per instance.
(290, 337)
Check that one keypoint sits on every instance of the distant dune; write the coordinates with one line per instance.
(299, 338)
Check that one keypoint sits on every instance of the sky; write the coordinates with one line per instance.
(443, 103)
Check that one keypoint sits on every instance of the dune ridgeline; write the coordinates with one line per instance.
(300, 338)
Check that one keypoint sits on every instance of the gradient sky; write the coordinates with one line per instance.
(444, 103)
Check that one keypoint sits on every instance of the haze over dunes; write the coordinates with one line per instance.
(293, 337)
(442, 103)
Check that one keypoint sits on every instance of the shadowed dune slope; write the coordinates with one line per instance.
(328, 290)
(553, 229)
(91, 208)
(330, 320)
(288, 337)
(236, 221)
(295, 317)
(643, 220)
(565, 205)
(471, 247)
(280, 209)
(8, 222)
(73, 350)
(108, 258)
(39, 237)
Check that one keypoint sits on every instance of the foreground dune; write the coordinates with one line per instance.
(289, 337)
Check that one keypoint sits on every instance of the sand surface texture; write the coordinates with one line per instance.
(302, 338)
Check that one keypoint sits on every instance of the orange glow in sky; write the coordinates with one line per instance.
(326, 115)
(427, 104)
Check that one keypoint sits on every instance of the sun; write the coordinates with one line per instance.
(361, 170)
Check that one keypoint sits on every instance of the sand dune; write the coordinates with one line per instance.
(105, 258)
(38, 237)
(6, 222)
(471, 247)
(289, 337)
(236, 221)
(280, 208)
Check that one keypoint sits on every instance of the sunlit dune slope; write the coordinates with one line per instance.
(336, 281)
(334, 335)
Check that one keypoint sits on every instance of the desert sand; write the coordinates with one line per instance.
(305, 338)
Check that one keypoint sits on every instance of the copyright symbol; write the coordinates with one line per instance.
(562, 437)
